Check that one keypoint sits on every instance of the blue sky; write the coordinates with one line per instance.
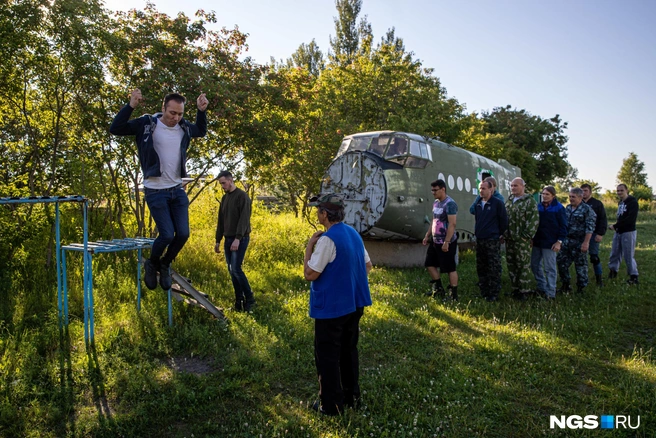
(591, 61)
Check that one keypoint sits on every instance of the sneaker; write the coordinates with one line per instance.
(633, 280)
(612, 274)
(165, 276)
(151, 275)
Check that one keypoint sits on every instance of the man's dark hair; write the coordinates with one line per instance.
(225, 174)
(333, 215)
(586, 186)
(488, 184)
(439, 183)
(623, 185)
(175, 97)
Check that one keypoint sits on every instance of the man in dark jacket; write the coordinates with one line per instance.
(491, 223)
(625, 236)
(600, 230)
(162, 143)
(234, 224)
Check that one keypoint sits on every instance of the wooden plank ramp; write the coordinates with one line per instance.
(182, 286)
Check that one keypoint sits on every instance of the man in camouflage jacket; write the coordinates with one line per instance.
(581, 222)
(523, 221)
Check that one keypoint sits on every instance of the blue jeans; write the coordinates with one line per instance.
(546, 256)
(234, 259)
(593, 251)
(170, 211)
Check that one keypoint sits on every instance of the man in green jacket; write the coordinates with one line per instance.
(523, 221)
(235, 225)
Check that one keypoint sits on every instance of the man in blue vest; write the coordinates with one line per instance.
(337, 264)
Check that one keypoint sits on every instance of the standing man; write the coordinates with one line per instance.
(234, 224)
(491, 223)
(492, 180)
(598, 234)
(523, 221)
(625, 236)
(581, 220)
(442, 242)
(162, 143)
(339, 291)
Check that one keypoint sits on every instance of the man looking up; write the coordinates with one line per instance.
(599, 231)
(625, 236)
(234, 223)
(491, 223)
(581, 221)
(523, 221)
(162, 143)
(442, 242)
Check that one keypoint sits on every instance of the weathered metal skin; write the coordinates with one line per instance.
(387, 192)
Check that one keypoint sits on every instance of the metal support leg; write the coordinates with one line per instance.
(139, 280)
(170, 309)
(64, 286)
(59, 266)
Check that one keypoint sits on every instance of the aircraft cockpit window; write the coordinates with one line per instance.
(344, 146)
(416, 162)
(378, 145)
(424, 151)
(398, 146)
(414, 148)
(360, 143)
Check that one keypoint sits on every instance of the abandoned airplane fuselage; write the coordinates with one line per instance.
(384, 178)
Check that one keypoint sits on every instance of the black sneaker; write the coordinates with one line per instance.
(150, 278)
(633, 280)
(612, 274)
(165, 276)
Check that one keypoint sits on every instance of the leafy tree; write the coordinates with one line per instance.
(536, 145)
(308, 56)
(348, 33)
(632, 173)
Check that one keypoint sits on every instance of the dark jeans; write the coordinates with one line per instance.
(336, 358)
(234, 259)
(170, 211)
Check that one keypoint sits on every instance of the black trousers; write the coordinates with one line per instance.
(336, 358)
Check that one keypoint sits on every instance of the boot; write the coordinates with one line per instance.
(612, 274)
(165, 275)
(150, 278)
(633, 280)
(565, 288)
(600, 281)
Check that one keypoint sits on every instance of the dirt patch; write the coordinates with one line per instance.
(191, 365)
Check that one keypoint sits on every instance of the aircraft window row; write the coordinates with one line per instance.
(452, 182)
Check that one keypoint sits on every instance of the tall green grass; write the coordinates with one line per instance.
(427, 369)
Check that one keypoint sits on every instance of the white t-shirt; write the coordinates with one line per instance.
(325, 252)
(166, 141)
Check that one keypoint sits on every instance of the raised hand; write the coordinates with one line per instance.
(135, 98)
(202, 102)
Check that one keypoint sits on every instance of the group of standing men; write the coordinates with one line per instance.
(543, 239)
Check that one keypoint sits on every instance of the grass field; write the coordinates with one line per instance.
(462, 369)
